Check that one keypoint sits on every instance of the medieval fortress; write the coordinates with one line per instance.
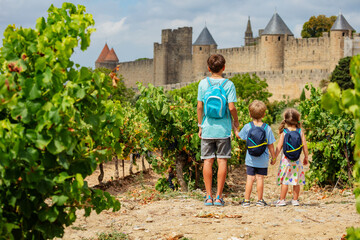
(287, 63)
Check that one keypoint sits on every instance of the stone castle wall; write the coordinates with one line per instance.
(108, 65)
(137, 71)
(241, 59)
(307, 53)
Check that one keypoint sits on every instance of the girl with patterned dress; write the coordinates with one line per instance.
(291, 172)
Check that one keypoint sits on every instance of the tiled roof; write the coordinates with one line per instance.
(205, 38)
(276, 26)
(111, 56)
(341, 24)
(103, 53)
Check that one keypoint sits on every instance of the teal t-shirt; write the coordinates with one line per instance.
(261, 161)
(215, 128)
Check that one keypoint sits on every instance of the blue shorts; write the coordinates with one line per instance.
(252, 171)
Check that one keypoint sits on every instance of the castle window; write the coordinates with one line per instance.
(313, 52)
(279, 38)
(343, 34)
(200, 48)
(265, 38)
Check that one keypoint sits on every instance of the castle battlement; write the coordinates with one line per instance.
(141, 62)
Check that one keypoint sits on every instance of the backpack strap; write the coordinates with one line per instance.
(209, 81)
(299, 130)
(264, 126)
(224, 82)
(286, 130)
(252, 125)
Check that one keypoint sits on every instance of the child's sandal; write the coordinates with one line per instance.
(220, 203)
(206, 203)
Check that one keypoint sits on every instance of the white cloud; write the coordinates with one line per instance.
(297, 30)
(109, 28)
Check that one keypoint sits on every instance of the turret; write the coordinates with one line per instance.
(273, 40)
(339, 30)
(107, 58)
(203, 47)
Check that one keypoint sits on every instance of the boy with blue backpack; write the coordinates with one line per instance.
(215, 111)
(259, 141)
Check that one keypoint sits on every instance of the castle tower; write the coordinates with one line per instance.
(249, 39)
(203, 47)
(172, 58)
(273, 40)
(340, 29)
(107, 58)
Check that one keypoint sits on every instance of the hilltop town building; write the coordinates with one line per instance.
(286, 62)
(107, 59)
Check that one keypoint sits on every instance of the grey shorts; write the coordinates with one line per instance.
(219, 148)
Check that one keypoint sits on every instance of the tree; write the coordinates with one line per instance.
(341, 74)
(317, 25)
(250, 88)
(303, 96)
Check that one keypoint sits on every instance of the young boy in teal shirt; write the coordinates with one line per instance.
(215, 133)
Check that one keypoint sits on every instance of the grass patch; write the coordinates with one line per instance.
(113, 236)
(78, 228)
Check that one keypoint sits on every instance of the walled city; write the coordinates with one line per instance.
(286, 62)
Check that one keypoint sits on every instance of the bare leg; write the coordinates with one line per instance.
(296, 190)
(207, 172)
(260, 186)
(284, 189)
(221, 176)
(249, 183)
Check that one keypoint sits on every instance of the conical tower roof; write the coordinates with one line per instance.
(103, 53)
(341, 24)
(276, 26)
(205, 38)
(248, 28)
(111, 57)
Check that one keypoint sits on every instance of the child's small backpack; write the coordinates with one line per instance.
(215, 100)
(292, 144)
(256, 141)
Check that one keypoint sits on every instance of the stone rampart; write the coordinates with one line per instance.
(137, 71)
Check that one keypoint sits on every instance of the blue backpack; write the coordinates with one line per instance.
(292, 144)
(256, 141)
(215, 100)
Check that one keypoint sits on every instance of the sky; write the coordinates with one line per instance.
(132, 26)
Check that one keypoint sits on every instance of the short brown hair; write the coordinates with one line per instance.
(216, 62)
(257, 109)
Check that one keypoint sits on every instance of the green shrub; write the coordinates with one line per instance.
(53, 118)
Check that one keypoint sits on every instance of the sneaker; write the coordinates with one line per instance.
(280, 203)
(245, 203)
(295, 202)
(261, 203)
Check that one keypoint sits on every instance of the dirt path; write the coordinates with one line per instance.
(322, 215)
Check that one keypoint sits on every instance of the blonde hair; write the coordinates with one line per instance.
(291, 117)
(257, 109)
